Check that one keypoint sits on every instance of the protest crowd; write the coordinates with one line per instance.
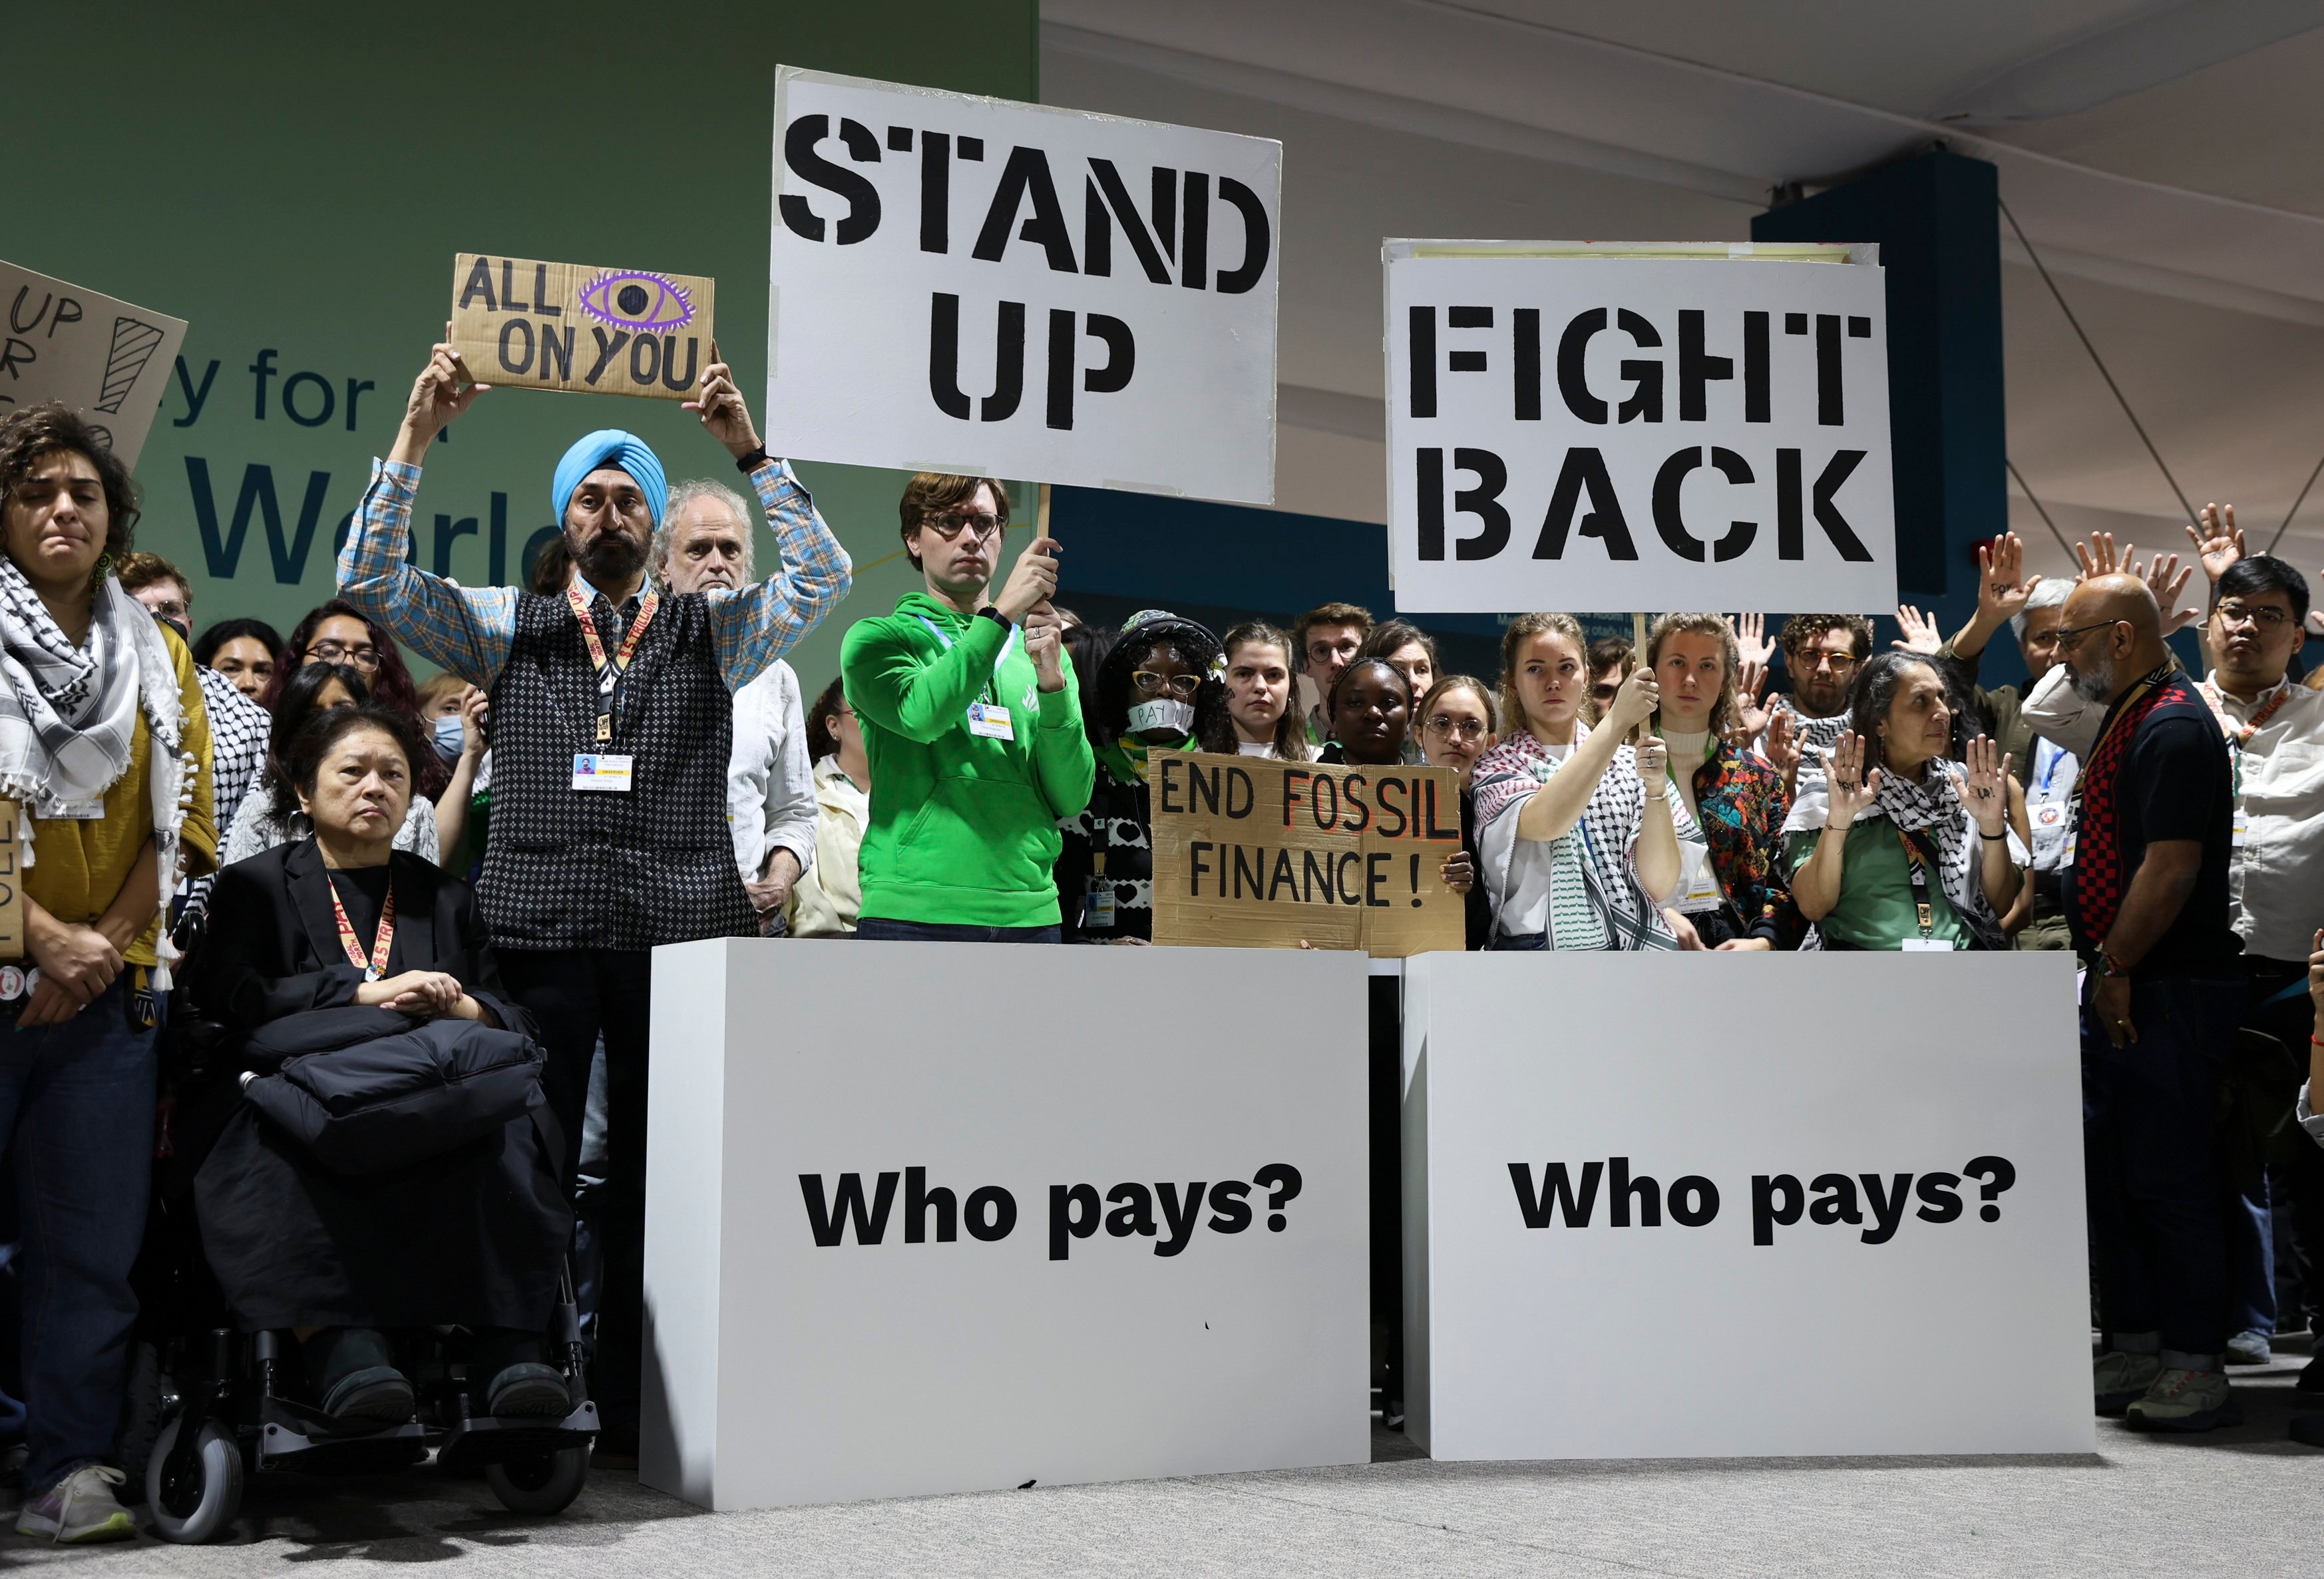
(242, 846)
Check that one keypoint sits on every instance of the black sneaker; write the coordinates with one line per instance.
(355, 1378)
(530, 1391)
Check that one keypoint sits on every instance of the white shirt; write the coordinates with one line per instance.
(255, 830)
(2275, 873)
(770, 783)
(1516, 869)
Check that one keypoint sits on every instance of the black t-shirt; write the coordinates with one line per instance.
(2174, 784)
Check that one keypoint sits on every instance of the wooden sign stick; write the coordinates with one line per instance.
(1638, 661)
(1041, 516)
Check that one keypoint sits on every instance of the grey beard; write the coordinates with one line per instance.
(2094, 685)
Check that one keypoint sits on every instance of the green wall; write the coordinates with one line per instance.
(295, 181)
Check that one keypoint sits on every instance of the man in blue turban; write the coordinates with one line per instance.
(612, 714)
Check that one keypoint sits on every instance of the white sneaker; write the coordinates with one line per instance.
(2185, 1400)
(2118, 1378)
(79, 1508)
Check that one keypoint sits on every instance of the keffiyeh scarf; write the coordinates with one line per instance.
(1933, 806)
(1594, 897)
(69, 714)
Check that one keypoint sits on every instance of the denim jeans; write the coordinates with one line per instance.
(2157, 1202)
(77, 1105)
(878, 930)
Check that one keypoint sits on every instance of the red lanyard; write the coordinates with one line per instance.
(2241, 733)
(609, 673)
(385, 940)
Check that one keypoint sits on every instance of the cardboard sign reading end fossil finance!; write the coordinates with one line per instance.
(1251, 852)
(578, 327)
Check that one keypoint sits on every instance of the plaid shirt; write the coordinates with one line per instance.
(469, 630)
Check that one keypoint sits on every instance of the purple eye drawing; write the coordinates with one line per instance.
(640, 302)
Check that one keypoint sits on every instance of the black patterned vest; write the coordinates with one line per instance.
(579, 869)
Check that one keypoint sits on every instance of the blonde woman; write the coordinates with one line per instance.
(1732, 893)
(1573, 823)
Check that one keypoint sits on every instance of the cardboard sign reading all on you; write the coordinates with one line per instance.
(578, 327)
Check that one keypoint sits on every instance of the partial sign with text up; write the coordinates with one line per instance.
(975, 285)
(1607, 427)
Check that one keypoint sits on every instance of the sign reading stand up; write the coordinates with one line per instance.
(975, 285)
(1609, 426)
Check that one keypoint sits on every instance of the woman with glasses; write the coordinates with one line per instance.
(1731, 893)
(338, 632)
(829, 894)
(1456, 730)
(1258, 719)
(1160, 678)
(270, 814)
(1573, 822)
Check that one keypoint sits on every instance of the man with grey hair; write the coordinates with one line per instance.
(2032, 607)
(705, 541)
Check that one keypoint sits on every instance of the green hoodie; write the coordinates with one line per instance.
(963, 828)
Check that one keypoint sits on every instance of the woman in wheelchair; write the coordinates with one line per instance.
(382, 1169)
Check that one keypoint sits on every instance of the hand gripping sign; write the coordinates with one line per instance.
(979, 286)
(532, 325)
(1610, 425)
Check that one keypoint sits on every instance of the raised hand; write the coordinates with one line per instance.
(2097, 557)
(1750, 712)
(721, 409)
(1921, 633)
(1983, 788)
(2220, 543)
(1044, 645)
(1848, 789)
(1654, 765)
(1781, 745)
(1751, 643)
(444, 390)
(2167, 581)
(2001, 585)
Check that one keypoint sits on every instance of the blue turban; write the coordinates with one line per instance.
(610, 447)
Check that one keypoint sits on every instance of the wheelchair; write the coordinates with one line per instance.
(209, 1406)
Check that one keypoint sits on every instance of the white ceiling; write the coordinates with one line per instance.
(2159, 155)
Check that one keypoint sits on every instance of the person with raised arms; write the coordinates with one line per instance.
(1732, 893)
(1573, 822)
(612, 721)
(972, 728)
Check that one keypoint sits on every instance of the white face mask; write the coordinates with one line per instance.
(1162, 713)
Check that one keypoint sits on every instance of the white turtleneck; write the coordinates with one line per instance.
(1687, 752)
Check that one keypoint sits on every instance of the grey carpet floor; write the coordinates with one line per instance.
(2241, 1502)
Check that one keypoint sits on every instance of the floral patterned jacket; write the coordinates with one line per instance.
(1743, 804)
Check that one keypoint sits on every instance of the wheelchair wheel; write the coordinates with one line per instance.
(544, 1482)
(197, 1506)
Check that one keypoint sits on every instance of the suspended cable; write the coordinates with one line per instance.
(2296, 504)
(2061, 298)
(2036, 502)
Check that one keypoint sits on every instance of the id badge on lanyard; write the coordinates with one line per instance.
(1924, 906)
(987, 718)
(598, 770)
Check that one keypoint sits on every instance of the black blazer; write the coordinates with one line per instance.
(274, 944)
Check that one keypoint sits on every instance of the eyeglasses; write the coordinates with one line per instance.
(1181, 685)
(1324, 652)
(1832, 660)
(2266, 619)
(2068, 639)
(984, 523)
(1447, 724)
(337, 652)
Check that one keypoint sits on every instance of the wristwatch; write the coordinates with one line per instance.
(747, 463)
(992, 610)
(2108, 965)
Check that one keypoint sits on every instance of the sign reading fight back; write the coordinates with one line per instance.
(980, 286)
(106, 359)
(1251, 852)
(1612, 426)
(571, 325)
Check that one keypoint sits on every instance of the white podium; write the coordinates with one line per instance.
(1596, 1146)
(933, 1217)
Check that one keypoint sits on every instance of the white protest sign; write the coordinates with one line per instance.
(1606, 427)
(980, 286)
(107, 359)
(1662, 1206)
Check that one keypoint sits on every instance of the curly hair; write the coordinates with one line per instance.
(1722, 706)
(391, 684)
(30, 434)
(1801, 632)
(823, 721)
